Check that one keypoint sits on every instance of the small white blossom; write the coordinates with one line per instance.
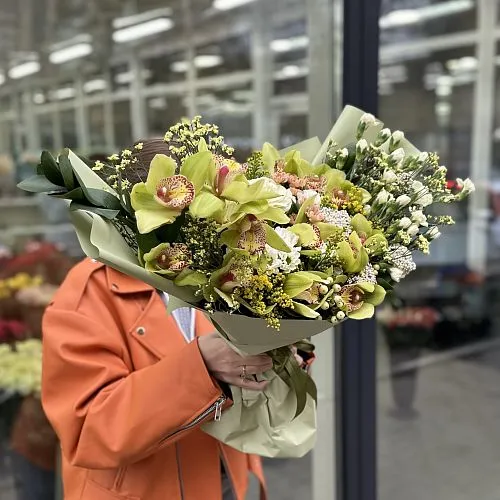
(405, 222)
(413, 230)
(403, 200)
(389, 176)
(344, 152)
(361, 145)
(368, 120)
(423, 157)
(468, 186)
(398, 136)
(419, 218)
(383, 196)
(433, 233)
(385, 133)
(397, 156)
(367, 209)
(424, 200)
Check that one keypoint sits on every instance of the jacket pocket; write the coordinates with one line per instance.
(94, 491)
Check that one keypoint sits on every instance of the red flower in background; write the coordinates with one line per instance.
(11, 331)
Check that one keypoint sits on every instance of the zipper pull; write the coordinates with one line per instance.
(218, 408)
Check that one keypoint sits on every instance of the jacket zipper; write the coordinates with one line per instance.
(215, 407)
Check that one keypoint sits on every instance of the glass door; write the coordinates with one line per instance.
(438, 376)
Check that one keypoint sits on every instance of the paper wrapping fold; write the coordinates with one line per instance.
(264, 423)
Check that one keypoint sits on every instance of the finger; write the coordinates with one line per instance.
(293, 349)
(261, 360)
(256, 370)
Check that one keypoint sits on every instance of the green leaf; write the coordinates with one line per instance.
(205, 206)
(199, 169)
(40, 184)
(76, 194)
(102, 199)
(189, 277)
(162, 166)
(103, 212)
(146, 242)
(66, 170)
(270, 154)
(305, 232)
(274, 240)
(50, 168)
(385, 284)
(305, 311)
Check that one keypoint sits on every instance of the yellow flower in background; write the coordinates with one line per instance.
(21, 368)
(20, 281)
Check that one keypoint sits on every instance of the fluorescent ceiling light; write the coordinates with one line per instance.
(201, 62)
(289, 44)
(230, 4)
(70, 53)
(39, 98)
(2, 78)
(123, 22)
(291, 71)
(63, 93)
(142, 30)
(405, 17)
(94, 85)
(126, 77)
(464, 64)
(24, 69)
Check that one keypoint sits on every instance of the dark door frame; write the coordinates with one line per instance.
(356, 344)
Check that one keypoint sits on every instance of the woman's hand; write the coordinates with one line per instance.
(228, 366)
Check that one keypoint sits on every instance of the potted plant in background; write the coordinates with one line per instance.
(407, 330)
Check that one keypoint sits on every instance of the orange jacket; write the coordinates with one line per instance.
(126, 395)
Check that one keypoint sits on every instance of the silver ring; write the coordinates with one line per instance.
(243, 375)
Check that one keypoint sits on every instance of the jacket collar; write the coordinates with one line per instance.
(121, 283)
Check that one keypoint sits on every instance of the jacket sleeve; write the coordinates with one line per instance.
(105, 415)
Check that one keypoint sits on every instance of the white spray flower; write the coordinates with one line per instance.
(284, 261)
(361, 145)
(424, 200)
(405, 222)
(433, 233)
(304, 195)
(398, 136)
(468, 186)
(403, 200)
(396, 274)
(397, 156)
(423, 157)
(413, 230)
(383, 197)
(368, 120)
(418, 217)
(389, 176)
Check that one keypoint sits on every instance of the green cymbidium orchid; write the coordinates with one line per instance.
(352, 254)
(373, 240)
(162, 198)
(360, 299)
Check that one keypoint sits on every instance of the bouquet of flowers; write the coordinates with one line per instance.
(294, 240)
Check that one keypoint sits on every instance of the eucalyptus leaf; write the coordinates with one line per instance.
(50, 168)
(103, 212)
(40, 184)
(66, 170)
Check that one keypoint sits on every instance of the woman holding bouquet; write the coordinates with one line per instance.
(127, 388)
